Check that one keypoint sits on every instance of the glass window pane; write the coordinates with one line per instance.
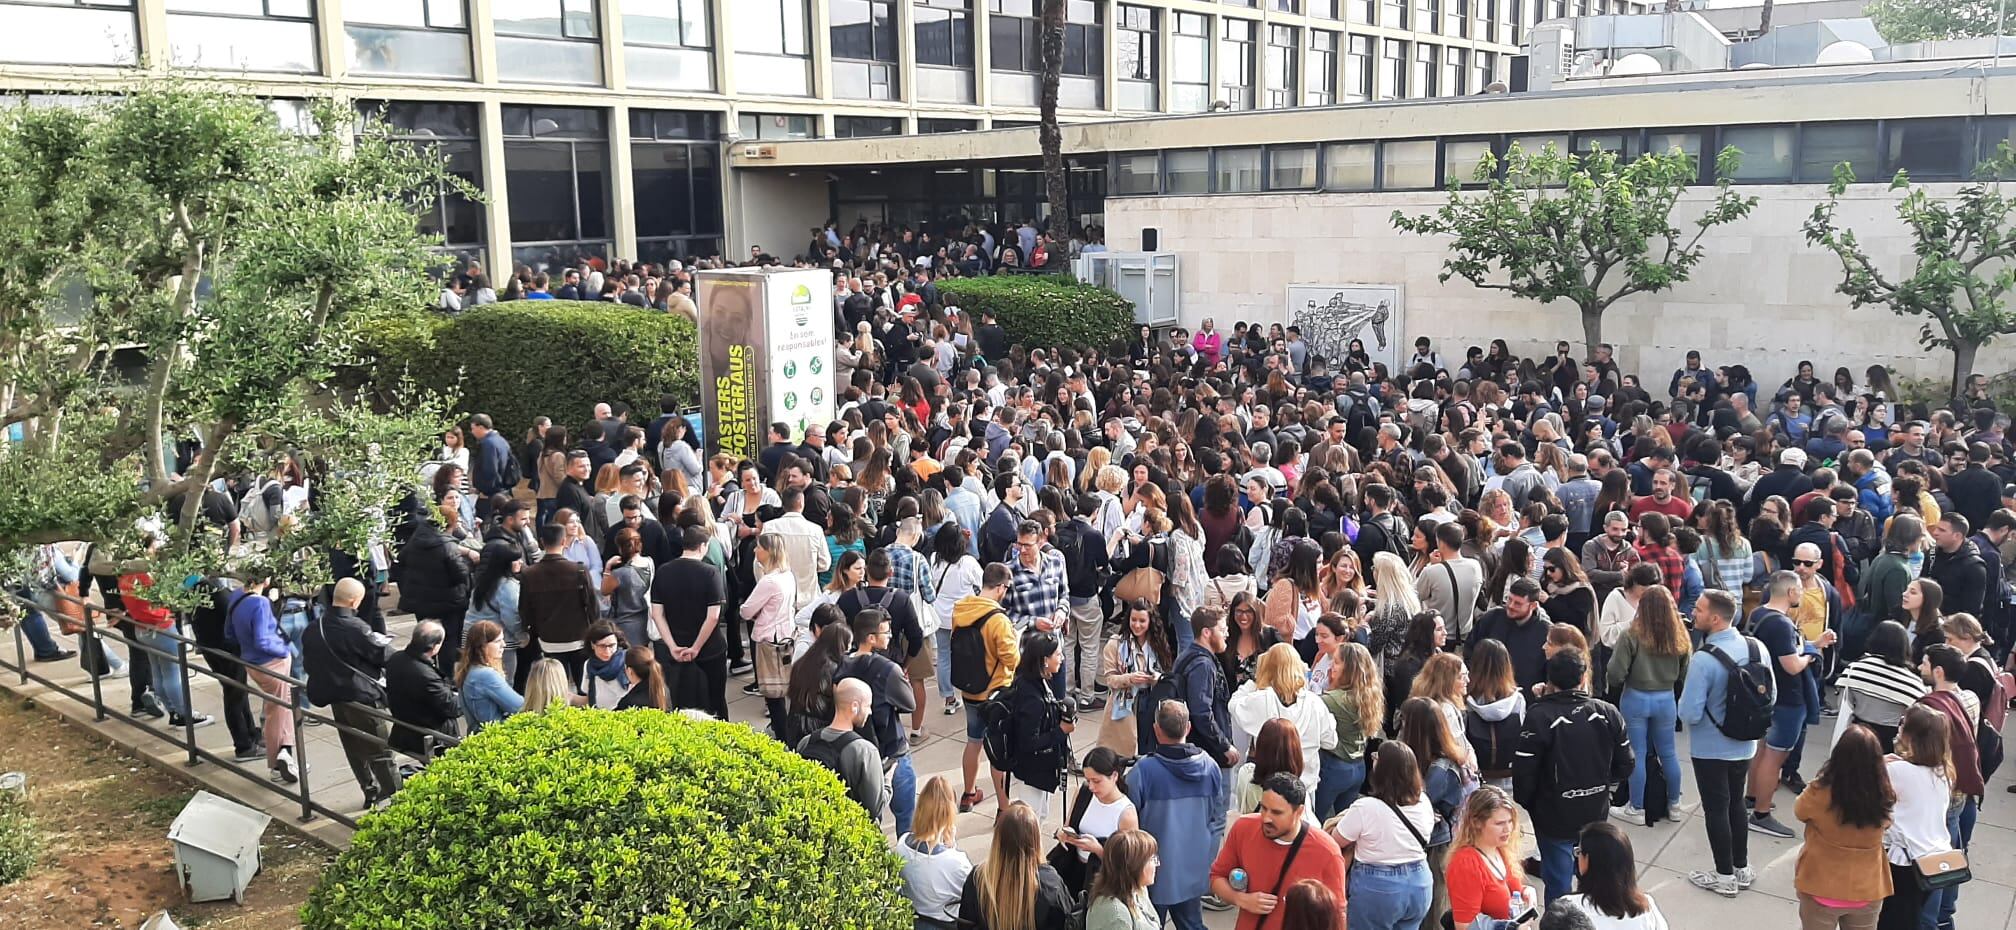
(408, 52)
(581, 22)
(548, 61)
(1137, 174)
(1927, 148)
(464, 216)
(386, 12)
(68, 36)
(592, 179)
(662, 174)
(1460, 159)
(539, 184)
(773, 74)
(229, 7)
(1238, 171)
(1537, 143)
(217, 43)
(1348, 166)
(446, 14)
(1291, 168)
(706, 189)
(526, 17)
(1664, 142)
(1825, 145)
(1187, 172)
(652, 22)
(1767, 151)
(1407, 165)
(668, 68)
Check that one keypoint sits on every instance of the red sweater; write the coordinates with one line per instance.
(142, 612)
(1474, 889)
(1247, 848)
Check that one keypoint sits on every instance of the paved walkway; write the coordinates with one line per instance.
(1666, 852)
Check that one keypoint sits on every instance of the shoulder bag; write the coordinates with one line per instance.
(1144, 583)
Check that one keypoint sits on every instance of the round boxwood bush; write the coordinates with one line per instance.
(615, 820)
(1044, 310)
(530, 358)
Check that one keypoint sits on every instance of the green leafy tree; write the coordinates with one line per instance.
(1964, 247)
(1923, 20)
(1589, 230)
(184, 225)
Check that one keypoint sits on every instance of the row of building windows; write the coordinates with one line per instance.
(557, 178)
(670, 45)
(1929, 149)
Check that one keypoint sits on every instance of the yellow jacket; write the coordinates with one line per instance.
(1002, 653)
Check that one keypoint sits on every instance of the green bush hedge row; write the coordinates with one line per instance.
(1044, 311)
(614, 820)
(524, 359)
(20, 842)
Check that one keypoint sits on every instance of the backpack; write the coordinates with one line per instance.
(1699, 488)
(1167, 687)
(828, 752)
(972, 670)
(511, 475)
(1996, 710)
(1750, 697)
(997, 737)
(252, 511)
(1493, 743)
(1359, 415)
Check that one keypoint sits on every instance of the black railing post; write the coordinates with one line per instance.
(89, 645)
(188, 699)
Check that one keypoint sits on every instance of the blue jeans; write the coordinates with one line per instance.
(1186, 915)
(944, 637)
(44, 644)
(1389, 897)
(1339, 785)
(1557, 865)
(903, 794)
(1216, 822)
(294, 617)
(1649, 716)
(166, 670)
(1939, 908)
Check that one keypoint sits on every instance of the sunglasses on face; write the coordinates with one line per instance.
(1809, 563)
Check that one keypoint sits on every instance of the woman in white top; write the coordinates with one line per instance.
(848, 571)
(1921, 773)
(956, 576)
(1280, 689)
(1607, 889)
(934, 868)
(768, 608)
(1385, 834)
(1100, 809)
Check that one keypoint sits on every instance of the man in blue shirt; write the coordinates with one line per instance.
(540, 283)
(1790, 655)
(1721, 764)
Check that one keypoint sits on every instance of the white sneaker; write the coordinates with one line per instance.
(1724, 885)
(1681, 809)
(1628, 814)
(1745, 877)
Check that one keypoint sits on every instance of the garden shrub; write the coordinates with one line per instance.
(613, 820)
(524, 359)
(1044, 311)
(20, 842)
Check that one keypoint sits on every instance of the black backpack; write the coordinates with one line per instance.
(1167, 687)
(1492, 742)
(1750, 697)
(972, 671)
(828, 752)
(997, 737)
(511, 475)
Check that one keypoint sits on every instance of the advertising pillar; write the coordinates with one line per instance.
(766, 354)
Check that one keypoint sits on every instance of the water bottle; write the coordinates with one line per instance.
(1238, 880)
(1518, 903)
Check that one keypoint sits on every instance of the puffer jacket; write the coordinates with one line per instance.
(433, 578)
(1572, 748)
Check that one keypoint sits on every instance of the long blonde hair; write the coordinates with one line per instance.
(1486, 801)
(770, 552)
(1395, 587)
(937, 813)
(1007, 880)
(1657, 626)
(1440, 680)
(1281, 669)
(545, 685)
(1357, 676)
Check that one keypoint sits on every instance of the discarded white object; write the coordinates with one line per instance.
(216, 847)
(161, 921)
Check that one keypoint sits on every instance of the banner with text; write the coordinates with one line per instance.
(766, 351)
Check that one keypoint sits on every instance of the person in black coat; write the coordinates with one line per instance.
(434, 585)
(1042, 721)
(344, 661)
(1958, 567)
(1788, 480)
(417, 694)
(1975, 491)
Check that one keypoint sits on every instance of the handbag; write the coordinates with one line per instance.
(70, 610)
(1144, 583)
(1941, 870)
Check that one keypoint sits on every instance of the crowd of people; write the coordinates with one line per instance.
(1345, 631)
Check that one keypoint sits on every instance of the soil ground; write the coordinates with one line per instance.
(106, 862)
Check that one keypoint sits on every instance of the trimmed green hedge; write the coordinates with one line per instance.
(616, 820)
(20, 842)
(529, 358)
(1044, 310)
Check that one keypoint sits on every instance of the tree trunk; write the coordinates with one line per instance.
(1764, 23)
(1048, 133)
(1963, 365)
(1592, 329)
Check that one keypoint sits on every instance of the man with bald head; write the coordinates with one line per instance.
(1794, 661)
(345, 663)
(851, 756)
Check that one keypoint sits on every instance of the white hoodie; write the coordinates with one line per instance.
(1252, 707)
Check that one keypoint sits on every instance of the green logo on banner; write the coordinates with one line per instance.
(818, 395)
(817, 365)
(790, 369)
(790, 400)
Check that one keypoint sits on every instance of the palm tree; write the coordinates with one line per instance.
(1764, 27)
(1048, 133)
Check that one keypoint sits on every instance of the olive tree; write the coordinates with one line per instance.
(183, 226)
(1588, 230)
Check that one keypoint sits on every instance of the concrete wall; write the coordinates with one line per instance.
(776, 210)
(1761, 296)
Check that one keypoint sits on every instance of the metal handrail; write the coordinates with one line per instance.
(186, 739)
